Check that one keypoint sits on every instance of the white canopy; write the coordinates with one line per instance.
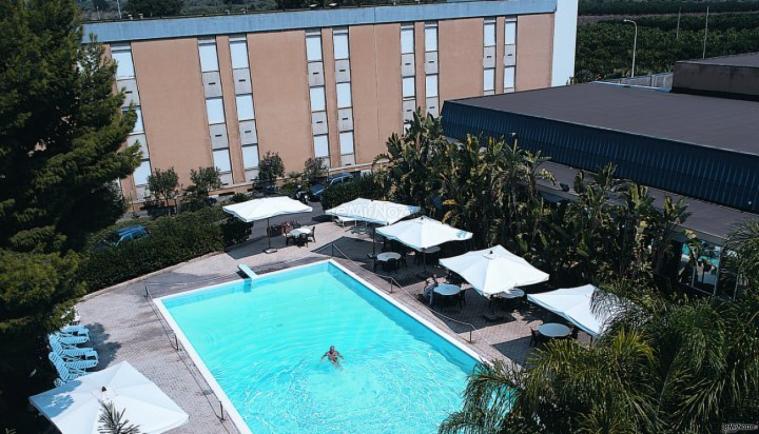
(267, 207)
(575, 305)
(75, 407)
(494, 270)
(373, 211)
(422, 233)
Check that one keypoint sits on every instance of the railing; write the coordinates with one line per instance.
(393, 281)
(176, 345)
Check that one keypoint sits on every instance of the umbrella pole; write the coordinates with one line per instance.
(374, 242)
(268, 237)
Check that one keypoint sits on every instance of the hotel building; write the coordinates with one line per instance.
(331, 84)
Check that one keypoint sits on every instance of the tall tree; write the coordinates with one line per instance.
(164, 185)
(61, 130)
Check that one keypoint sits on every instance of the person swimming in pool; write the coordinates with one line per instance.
(333, 355)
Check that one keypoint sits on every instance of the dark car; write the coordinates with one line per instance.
(316, 190)
(122, 235)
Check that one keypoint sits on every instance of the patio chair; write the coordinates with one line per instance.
(65, 373)
(312, 235)
(403, 261)
(78, 364)
(75, 330)
(67, 339)
(390, 265)
(69, 353)
(301, 240)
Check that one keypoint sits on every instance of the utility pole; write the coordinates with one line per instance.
(706, 32)
(677, 32)
(635, 46)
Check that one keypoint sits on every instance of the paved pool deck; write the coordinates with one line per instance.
(126, 326)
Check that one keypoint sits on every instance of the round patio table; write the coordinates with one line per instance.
(446, 289)
(554, 330)
(386, 256)
(299, 231)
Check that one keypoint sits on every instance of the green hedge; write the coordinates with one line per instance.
(172, 240)
(365, 186)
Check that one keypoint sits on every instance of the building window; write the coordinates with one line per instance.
(138, 126)
(250, 156)
(510, 55)
(508, 78)
(124, 66)
(346, 143)
(221, 160)
(318, 103)
(510, 33)
(141, 173)
(314, 47)
(431, 76)
(407, 39)
(431, 85)
(430, 37)
(321, 146)
(340, 44)
(215, 110)
(488, 78)
(208, 60)
(408, 87)
(489, 33)
(239, 50)
(343, 95)
(245, 107)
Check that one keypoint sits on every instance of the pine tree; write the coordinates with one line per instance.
(61, 136)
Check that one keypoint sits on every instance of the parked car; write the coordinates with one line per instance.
(121, 236)
(316, 190)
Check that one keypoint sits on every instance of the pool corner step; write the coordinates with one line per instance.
(247, 271)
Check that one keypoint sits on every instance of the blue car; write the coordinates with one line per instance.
(123, 235)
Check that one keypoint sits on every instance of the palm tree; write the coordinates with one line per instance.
(671, 367)
(112, 421)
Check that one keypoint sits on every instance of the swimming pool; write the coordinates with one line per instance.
(259, 344)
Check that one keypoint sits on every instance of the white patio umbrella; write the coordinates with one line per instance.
(373, 211)
(75, 407)
(422, 233)
(379, 212)
(266, 208)
(575, 305)
(494, 270)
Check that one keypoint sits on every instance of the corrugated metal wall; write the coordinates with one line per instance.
(717, 176)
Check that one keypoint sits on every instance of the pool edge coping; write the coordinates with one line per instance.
(237, 419)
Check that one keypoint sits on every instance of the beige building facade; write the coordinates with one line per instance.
(224, 91)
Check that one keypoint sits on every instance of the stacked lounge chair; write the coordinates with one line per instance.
(69, 360)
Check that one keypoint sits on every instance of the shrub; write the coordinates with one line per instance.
(270, 168)
(172, 240)
(239, 197)
(235, 231)
(366, 186)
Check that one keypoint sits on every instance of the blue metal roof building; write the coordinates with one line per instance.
(697, 146)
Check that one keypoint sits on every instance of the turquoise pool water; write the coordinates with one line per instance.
(262, 341)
